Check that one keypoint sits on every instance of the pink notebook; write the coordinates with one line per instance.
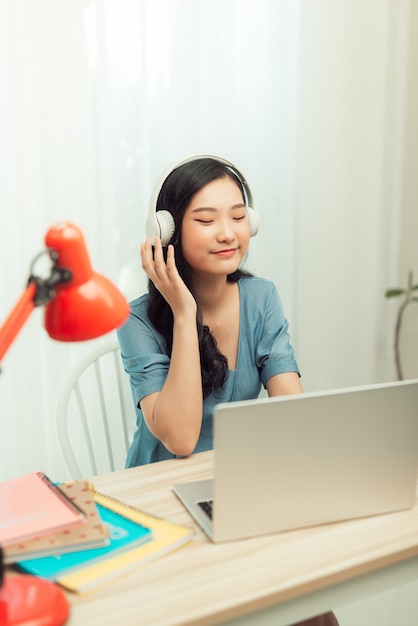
(92, 533)
(31, 505)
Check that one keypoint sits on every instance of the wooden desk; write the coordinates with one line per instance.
(283, 577)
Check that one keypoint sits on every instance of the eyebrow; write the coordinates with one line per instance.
(201, 209)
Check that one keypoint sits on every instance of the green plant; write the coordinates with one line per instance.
(409, 297)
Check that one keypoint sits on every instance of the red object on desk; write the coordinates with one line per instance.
(31, 601)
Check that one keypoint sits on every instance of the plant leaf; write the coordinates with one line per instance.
(392, 293)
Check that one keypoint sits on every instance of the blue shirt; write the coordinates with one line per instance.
(264, 350)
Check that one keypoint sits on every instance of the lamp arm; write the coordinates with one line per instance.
(37, 292)
(16, 318)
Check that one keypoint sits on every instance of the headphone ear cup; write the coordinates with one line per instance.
(162, 225)
(166, 226)
(253, 221)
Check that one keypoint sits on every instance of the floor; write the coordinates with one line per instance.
(397, 607)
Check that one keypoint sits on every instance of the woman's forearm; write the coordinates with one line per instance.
(177, 412)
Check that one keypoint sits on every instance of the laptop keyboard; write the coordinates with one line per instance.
(207, 507)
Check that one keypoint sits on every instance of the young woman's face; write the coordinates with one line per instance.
(215, 229)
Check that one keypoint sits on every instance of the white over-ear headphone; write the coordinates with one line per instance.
(161, 223)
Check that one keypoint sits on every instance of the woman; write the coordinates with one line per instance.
(207, 331)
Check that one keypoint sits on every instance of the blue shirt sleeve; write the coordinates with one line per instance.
(275, 352)
(268, 341)
(143, 352)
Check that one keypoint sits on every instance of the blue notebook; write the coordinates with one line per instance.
(125, 534)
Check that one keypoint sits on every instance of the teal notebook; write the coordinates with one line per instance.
(125, 534)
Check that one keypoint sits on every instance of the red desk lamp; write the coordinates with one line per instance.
(79, 305)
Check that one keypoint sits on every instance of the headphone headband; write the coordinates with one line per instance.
(161, 223)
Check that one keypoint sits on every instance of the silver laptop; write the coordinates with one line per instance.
(295, 461)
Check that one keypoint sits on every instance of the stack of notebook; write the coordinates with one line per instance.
(38, 518)
(75, 536)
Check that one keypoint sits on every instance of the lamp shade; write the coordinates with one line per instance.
(88, 305)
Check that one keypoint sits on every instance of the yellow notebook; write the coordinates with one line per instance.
(166, 537)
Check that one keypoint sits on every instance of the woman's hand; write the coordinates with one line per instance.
(165, 276)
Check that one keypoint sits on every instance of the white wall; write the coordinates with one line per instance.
(408, 253)
(354, 215)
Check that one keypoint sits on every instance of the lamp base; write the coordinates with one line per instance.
(31, 601)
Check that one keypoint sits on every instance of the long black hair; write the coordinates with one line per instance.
(175, 196)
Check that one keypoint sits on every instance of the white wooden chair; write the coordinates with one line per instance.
(96, 415)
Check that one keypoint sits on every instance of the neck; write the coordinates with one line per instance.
(210, 292)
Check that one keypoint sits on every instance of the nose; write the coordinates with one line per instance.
(225, 231)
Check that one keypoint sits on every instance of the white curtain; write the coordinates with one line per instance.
(308, 98)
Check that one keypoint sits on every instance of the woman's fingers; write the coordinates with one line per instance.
(147, 255)
(155, 265)
(159, 261)
(151, 256)
(171, 263)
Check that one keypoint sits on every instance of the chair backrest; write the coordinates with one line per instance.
(96, 415)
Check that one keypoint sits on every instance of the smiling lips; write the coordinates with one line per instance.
(226, 253)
